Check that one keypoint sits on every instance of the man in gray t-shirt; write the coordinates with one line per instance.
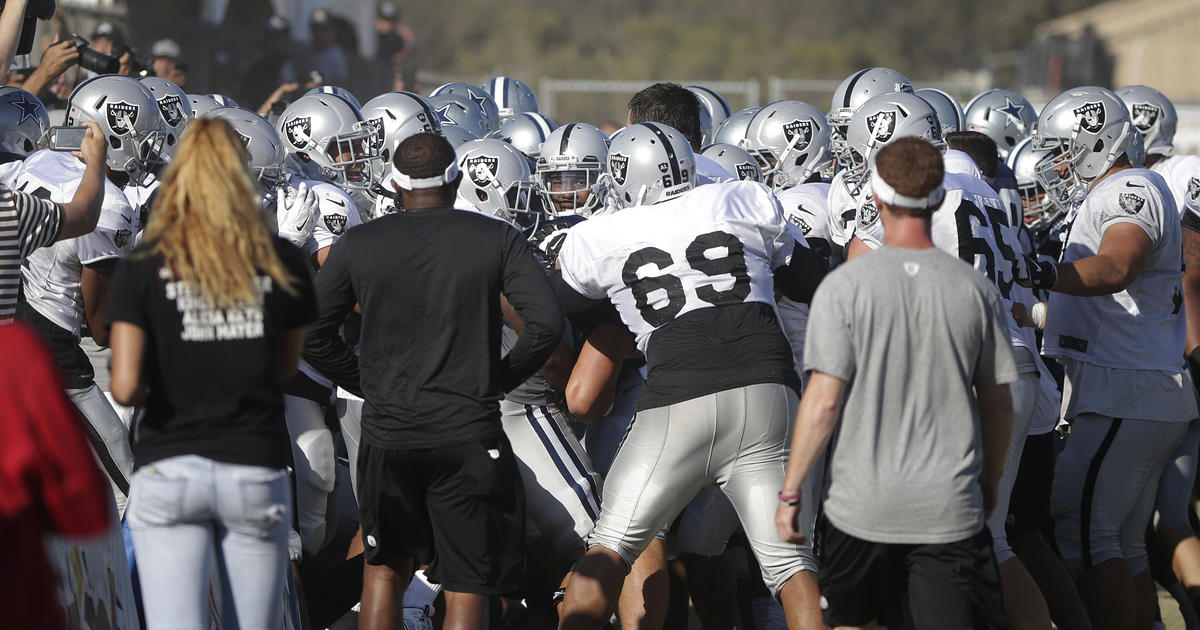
(916, 345)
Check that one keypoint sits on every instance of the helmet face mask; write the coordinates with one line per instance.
(331, 140)
(128, 115)
(571, 169)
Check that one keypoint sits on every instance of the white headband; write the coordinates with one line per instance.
(404, 181)
(885, 193)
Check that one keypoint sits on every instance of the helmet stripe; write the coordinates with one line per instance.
(672, 158)
(566, 138)
(542, 125)
(850, 88)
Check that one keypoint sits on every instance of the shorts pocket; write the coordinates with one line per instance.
(265, 504)
(156, 499)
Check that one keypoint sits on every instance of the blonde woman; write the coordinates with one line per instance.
(206, 322)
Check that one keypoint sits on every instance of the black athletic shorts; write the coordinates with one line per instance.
(459, 508)
(1029, 507)
(933, 586)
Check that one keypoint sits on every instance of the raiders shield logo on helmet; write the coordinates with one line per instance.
(377, 124)
(335, 223)
(171, 109)
(298, 131)
(1091, 116)
(619, 165)
(882, 125)
(798, 134)
(868, 214)
(482, 170)
(243, 137)
(122, 117)
(121, 237)
(1145, 115)
(1131, 203)
(1194, 189)
(746, 170)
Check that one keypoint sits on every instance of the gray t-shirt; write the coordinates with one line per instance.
(911, 331)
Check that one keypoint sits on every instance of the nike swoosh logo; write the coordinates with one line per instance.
(127, 219)
(1133, 185)
(302, 224)
(340, 203)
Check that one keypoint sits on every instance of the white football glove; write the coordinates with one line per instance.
(296, 213)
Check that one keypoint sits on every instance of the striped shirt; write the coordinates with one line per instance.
(26, 223)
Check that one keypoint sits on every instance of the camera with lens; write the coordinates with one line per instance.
(92, 60)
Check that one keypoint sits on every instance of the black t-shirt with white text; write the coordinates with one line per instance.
(213, 373)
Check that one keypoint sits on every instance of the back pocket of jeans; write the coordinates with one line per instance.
(155, 499)
(265, 502)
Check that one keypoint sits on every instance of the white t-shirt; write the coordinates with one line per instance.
(714, 245)
(1182, 173)
(52, 275)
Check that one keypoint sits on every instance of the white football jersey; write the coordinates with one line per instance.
(1140, 328)
(337, 213)
(9, 172)
(708, 171)
(1182, 173)
(712, 246)
(139, 197)
(51, 275)
(847, 210)
(806, 210)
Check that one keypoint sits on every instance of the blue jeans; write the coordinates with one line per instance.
(187, 512)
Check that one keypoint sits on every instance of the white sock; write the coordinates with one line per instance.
(420, 593)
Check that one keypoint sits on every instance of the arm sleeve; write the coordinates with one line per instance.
(828, 344)
(39, 221)
(996, 365)
(529, 291)
(127, 292)
(798, 280)
(324, 348)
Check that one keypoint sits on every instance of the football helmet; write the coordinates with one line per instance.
(396, 116)
(790, 140)
(855, 90)
(455, 109)
(329, 140)
(649, 162)
(878, 122)
(735, 160)
(526, 131)
(1023, 160)
(733, 129)
(1085, 130)
(570, 169)
(1153, 115)
(175, 109)
(1002, 115)
(336, 91)
(128, 116)
(512, 96)
(473, 95)
(715, 105)
(23, 121)
(457, 136)
(949, 111)
(201, 104)
(263, 146)
(497, 180)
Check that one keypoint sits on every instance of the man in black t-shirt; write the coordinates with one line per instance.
(437, 479)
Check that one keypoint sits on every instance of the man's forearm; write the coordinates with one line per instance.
(325, 350)
(11, 20)
(1091, 276)
(815, 421)
(81, 214)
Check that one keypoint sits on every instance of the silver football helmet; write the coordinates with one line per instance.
(526, 131)
(1153, 115)
(223, 101)
(949, 111)
(790, 140)
(715, 105)
(570, 169)
(1023, 161)
(1085, 130)
(878, 122)
(455, 109)
(512, 96)
(175, 108)
(649, 162)
(263, 146)
(336, 91)
(23, 121)
(1002, 115)
(396, 116)
(329, 140)
(128, 116)
(733, 130)
(855, 90)
(497, 180)
(735, 160)
(201, 104)
(476, 96)
(457, 136)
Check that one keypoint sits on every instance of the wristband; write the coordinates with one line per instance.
(792, 499)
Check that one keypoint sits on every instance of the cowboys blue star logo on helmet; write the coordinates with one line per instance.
(443, 114)
(1012, 112)
(29, 109)
(479, 98)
